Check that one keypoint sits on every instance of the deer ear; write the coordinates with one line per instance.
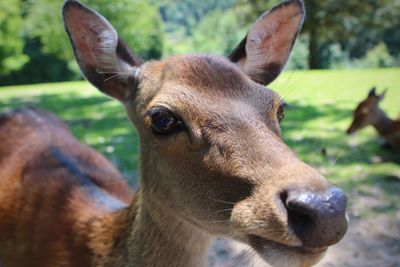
(263, 53)
(103, 57)
(372, 92)
(382, 96)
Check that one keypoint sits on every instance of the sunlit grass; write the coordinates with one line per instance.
(321, 107)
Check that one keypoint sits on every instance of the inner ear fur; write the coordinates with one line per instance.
(264, 51)
(103, 57)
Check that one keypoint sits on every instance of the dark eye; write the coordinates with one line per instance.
(281, 112)
(163, 121)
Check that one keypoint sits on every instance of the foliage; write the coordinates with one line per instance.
(299, 55)
(200, 26)
(41, 67)
(356, 26)
(377, 57)
(224, 36)
(34, 32)
(135, 20)
(187, 14)
(11, 42)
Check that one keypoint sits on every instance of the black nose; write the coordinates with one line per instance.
(318, 219)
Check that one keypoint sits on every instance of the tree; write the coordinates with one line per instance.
(188, 13)
(136, 21)
(224, 36)
(11, 41)
(356, 25)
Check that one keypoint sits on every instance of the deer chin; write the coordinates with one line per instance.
(277, 254)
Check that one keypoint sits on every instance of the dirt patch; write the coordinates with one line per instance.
(374, 241)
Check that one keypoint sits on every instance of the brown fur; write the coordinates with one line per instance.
(227, 173)
(368, 113)
(53, 192)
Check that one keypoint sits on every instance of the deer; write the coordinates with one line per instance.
(212, 161)
(368, 113)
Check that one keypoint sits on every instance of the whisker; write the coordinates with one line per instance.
(114, 76)
(224, 210)
(222, 201)
(337, 158)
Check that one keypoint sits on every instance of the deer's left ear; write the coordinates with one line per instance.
(263, 53)
(105, 60)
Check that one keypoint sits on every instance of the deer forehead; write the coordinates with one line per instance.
(365, 107)
(204, 85)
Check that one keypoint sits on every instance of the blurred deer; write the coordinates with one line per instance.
(212, 161)
(369, 113)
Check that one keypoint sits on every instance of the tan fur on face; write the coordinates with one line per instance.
(234, 122)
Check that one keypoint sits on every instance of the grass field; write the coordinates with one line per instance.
(321, 107)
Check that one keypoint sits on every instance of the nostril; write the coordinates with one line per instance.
(318, 219)
(300, 217)
(300, 222)
(295, 212)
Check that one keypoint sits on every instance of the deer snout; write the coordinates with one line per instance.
(318, 219)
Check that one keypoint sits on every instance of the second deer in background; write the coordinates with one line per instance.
(368, 113)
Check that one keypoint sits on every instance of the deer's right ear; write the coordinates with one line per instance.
(263, 53)
(103, 57)
(382, 95)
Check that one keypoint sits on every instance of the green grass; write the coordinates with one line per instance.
(321, 107)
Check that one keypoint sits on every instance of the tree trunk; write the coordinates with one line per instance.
(312, 23)
(313, 62)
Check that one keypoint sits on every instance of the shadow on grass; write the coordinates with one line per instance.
(380, 188)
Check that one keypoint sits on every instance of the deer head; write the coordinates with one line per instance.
(367, 112)
(211, 148)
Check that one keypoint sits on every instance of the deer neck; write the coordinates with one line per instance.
(151, 236)
(383, 124)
